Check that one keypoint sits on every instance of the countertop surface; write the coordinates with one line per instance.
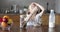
(43, 28)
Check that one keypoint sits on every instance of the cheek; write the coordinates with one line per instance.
(30, 12)
(32, 7)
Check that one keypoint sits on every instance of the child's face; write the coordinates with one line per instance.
(31, 8)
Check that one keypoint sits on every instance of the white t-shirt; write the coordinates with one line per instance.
(36, 21)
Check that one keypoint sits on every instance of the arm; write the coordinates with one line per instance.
(34, 10)
(42, 8)
(28, 17)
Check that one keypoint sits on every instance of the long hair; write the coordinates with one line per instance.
(39, 10)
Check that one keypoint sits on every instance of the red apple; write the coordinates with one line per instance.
(5, 20)
(1, 20)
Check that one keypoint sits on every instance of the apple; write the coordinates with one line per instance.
(1, 20)
(4, 24)
(5, 20)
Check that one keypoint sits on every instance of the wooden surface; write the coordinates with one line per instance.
(43, 28)
(16, 25)
(45, 19)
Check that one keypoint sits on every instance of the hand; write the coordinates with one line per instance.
(40, 6)
(32, 6)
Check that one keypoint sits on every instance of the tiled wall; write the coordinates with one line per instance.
(7, 3)
(57, 6)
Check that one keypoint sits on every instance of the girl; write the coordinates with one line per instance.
(33, 15)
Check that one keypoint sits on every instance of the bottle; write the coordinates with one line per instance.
(52, 19)
(51, 30)
(14, 7)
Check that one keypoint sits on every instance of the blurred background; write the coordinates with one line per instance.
(15, 8)
(18, 7)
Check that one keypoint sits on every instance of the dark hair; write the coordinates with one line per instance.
(38, 11)
(34, 4)
(28, 12)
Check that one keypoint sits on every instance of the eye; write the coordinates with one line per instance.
(28, 12)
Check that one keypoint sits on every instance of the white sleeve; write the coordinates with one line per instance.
(39, 15)
(38, 19)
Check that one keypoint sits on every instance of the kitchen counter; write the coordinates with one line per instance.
(43, 28)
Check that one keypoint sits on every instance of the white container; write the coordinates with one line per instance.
(52, 19)
(25, 9)
(21, 11)
(51, 30)
(14, 7)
